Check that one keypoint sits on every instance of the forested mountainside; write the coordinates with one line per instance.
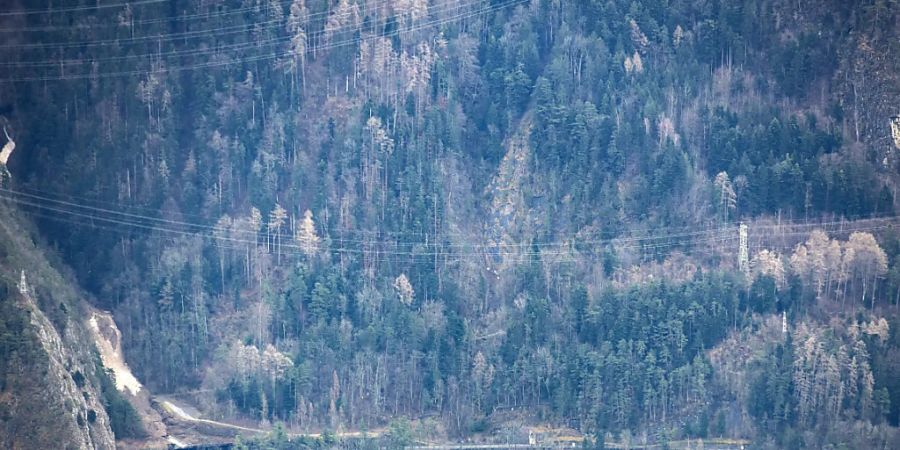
(335, 214)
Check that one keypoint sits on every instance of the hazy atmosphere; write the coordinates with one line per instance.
(450, 224)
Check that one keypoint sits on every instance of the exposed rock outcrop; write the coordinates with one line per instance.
(50, 394)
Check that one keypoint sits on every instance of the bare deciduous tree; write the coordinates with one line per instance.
(768, 263)
(727, 196)
(306, 236)
(868, 263)
(404, 289)
(277, 218)
(297, 24)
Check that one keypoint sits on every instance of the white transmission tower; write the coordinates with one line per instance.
(743, 252)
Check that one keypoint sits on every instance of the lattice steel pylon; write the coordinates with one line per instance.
(743, 251)
(23, 284)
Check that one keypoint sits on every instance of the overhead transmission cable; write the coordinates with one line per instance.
(273, 55)
(217, 33)
(72, 9)
(193, 17)
(157, 222)
(205, 227)
(34, 199)
(131, 207)
(289, 249)
(273, 24)
(565, 247)
(211, 231)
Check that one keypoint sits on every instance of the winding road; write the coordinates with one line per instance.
(181, 414)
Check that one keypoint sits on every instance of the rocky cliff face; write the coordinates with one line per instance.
(50, 393)
(108, 341)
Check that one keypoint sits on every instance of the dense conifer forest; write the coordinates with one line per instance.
(641, 220)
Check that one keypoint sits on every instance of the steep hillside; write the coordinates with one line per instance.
(333, 214)
(51, 387)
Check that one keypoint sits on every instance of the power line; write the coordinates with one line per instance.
(69, 200)
(124, 217)
(249, 45)
(210, 233)
(760, 224)
(195, 229)
(66, 197)
(277, 24)
(31, 12)
(235, 46)
(474, 249)
(150, 39)
(274, 55)
(33, 200)
(197, 17)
